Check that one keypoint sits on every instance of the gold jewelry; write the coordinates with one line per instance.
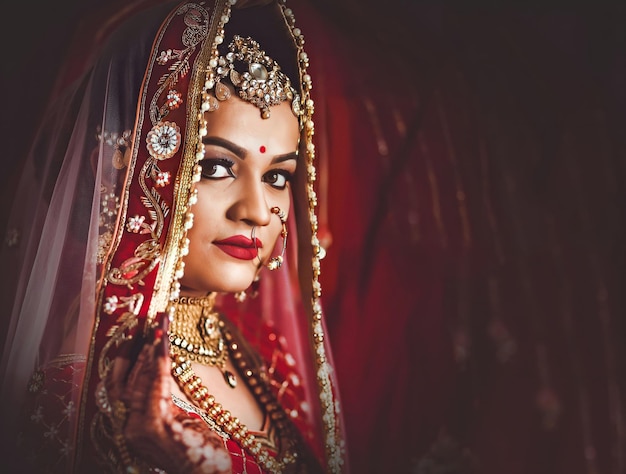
(196, 332)
(276, 262)
(191, 385)
(263, 84)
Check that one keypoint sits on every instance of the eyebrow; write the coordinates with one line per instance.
(287, 156)
(230, 146)
(242, 152)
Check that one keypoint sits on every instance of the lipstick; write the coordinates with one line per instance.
(239, 246)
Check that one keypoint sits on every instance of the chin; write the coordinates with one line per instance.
(224, 280)
(234, 287)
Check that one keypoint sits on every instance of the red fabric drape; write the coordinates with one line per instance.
(472, 158)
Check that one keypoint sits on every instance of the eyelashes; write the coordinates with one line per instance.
(217, 168)
(277, 178)
(222, 168)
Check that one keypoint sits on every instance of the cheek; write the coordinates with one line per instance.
(205, 220)
(209, 208)
(201, 223)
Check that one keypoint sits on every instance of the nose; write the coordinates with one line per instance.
(251, 206)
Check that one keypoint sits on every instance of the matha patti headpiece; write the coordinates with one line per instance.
(260, 81)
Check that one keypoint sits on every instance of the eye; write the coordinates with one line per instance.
(217, 168)
(277, 178)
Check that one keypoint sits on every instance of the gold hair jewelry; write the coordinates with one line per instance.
(196, 333)
(262, 83)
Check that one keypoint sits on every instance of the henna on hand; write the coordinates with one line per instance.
(154, 429)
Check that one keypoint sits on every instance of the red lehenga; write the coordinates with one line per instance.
(100, 220)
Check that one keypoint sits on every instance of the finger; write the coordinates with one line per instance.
(163, 389)
(159, 335)
(148, 387)
(119, 368)
(138, 386)
(130, 349)
(162, 351)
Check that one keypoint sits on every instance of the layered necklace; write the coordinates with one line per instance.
(198, 334)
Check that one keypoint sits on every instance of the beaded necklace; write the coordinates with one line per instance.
(191, 385)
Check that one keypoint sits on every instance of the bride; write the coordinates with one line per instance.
(165, 314)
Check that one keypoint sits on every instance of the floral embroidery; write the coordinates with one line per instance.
(173, 99)
(133, 303)
(110, 205)
(66, 448)
(164, 57)
(52, 432)
(104, 242)
(37, 415)
(163, 141)
(102, 399)
(162, 179)
(111, 304)
(12, 238)
(36, 381)
(120, 142)
(134, 224)
(192, 438)
(69, 409)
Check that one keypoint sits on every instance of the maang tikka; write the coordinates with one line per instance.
(256, 77)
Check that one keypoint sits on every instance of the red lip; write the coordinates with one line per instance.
(240, 247)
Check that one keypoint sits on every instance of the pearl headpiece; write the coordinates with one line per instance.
(260, 81)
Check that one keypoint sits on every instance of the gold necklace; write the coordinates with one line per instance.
(196, 333)
(191, 385)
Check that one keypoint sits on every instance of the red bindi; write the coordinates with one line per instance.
(262, 149)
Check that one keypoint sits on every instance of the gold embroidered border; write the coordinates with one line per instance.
(166, 276)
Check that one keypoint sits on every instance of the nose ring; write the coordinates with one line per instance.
(275, 262)
(254, 242)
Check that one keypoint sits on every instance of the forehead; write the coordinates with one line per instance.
(241, 123)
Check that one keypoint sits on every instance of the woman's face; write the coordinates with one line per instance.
(246, 170)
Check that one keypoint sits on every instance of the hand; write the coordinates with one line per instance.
(150, 425)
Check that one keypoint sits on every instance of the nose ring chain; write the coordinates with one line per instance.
(275, 262)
